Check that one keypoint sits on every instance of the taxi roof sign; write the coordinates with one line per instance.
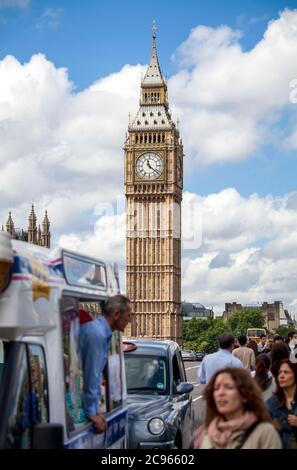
(128, 346)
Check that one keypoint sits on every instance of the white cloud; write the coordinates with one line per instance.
(229, 100)
(108, 237)
(63, 149)
(106, 241)
(248, 252)
(50, 134)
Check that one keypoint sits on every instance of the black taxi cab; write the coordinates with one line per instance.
(160, 409)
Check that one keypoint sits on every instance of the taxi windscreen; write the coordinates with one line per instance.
(146, 374)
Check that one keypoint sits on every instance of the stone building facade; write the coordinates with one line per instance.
(274, 313)
(153, 188)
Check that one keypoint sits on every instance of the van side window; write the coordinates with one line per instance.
(20, 419)
(39, 385)
(25, 376)
(75, 415)
(115, 372)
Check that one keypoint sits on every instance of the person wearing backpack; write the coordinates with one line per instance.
(236, 415)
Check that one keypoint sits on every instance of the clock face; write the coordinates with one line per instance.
(149, 166)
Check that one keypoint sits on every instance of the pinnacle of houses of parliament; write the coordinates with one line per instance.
(37, 236)
(153, 188)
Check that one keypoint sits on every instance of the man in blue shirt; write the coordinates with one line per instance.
(95, 339)
(219, 360)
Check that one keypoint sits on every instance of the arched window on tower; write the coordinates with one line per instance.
(158, 219)
(135, 220)
(170, 220)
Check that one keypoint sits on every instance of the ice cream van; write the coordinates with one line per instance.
(45, 295)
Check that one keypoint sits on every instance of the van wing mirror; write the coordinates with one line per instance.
(48, 436)
(184, 387)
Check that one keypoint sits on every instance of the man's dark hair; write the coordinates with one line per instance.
(278, 338)
(263, 336)
(226, 340)
(242, 339)
(279, 352)
(117, 303)
(290, 335)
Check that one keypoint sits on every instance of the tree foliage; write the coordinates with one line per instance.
(202, 334)
(284, 330)
(240, 321)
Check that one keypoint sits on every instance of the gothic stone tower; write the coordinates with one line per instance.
(41, 237)
(153, 186)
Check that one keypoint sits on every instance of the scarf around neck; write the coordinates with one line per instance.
(220, 431)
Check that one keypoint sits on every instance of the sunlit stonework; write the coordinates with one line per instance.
(153, 185)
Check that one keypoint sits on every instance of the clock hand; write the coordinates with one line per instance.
(149, 165)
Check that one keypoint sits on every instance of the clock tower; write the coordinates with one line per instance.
(153, 187)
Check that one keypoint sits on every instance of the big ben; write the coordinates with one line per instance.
(153, 187)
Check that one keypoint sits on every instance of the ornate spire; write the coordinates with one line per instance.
(153, 113)
(153, 76)
(32, 218)
(32, 228)
(45, 233)
(10, 225)
(46, 222)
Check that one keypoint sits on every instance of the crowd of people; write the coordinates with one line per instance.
(250, 394)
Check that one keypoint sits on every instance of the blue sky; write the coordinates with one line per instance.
(69, 75)
(95, 38)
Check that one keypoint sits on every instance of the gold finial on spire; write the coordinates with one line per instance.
(154, 30)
